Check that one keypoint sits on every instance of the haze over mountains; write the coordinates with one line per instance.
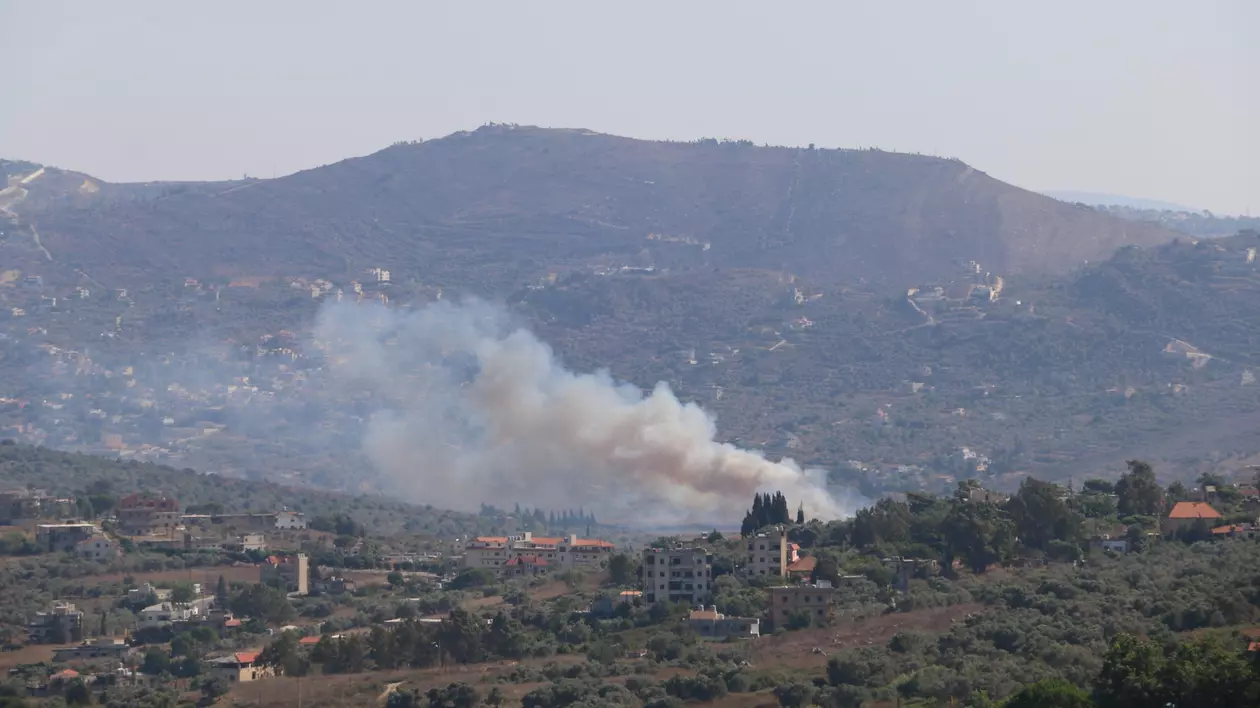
(1099, 199)
(518, 203)
(899, 320)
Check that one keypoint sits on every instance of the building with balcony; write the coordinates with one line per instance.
(146, 515)
(62, 624)
(770, 554)
(677, 575)
(561, 554)
(64, 538)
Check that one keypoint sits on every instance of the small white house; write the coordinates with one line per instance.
(98, 548)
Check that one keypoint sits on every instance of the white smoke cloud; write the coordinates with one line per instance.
(477, 410)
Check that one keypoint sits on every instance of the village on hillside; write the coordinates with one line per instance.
(262, 598)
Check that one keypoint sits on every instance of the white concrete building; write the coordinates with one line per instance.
(98, 548)
(770, 554)
(677, 575)
(561, 554)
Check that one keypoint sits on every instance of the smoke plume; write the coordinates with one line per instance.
(473, 409)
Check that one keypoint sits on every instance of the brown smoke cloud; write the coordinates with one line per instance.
(473, 409)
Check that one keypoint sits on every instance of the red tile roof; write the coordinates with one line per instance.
(522, 560)
(1193, 510)
(1231, 528)
(803, 565)
(308, 641)
(247, 657)
(232, 623)
(587, 542)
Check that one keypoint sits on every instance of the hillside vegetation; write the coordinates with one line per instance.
(900, 320)
(68, 473)
(506, 204)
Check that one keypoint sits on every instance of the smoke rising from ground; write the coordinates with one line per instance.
(478, 410)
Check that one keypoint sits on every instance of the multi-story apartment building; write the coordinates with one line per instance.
(677, 575)
(560, 554)
(62, 624)
(770, 554)
(487, 552)
(64, 538)
(813, 600)
(32, 504)
(145, 515)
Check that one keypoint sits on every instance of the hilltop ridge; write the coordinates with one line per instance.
(506, 205)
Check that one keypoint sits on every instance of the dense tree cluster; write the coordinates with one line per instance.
(767, 510)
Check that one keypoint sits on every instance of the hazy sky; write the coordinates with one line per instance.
(1147, 98)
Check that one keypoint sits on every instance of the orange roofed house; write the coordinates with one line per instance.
(240, 666)
(1184, 515)
(562, 554)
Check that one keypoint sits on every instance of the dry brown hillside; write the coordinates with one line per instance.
(498, 206)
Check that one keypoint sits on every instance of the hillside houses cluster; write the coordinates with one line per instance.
(146, 520)
(526, 554)
(684, 574)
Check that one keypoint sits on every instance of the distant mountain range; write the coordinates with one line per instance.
(503, 205)
(897, 319)
(1099, 199)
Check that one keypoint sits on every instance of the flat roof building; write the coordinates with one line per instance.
(677, 575)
